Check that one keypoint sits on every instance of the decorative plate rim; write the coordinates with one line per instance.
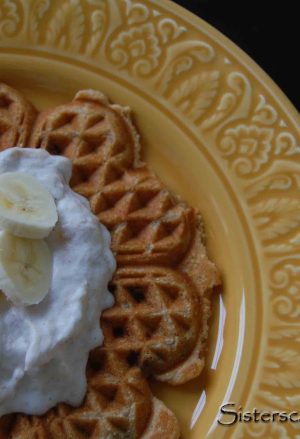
(250, 64)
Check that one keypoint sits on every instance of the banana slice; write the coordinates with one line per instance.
(25, 269)
(27, 209)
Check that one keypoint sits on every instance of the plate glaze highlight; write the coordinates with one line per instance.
(218, 131)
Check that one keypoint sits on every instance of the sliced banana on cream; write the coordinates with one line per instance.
(25, 269)
(27, 209)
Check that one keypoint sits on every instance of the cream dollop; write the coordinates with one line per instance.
(44, 348)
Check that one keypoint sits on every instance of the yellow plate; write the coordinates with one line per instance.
(218, 131)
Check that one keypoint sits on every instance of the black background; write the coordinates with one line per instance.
(269, 31)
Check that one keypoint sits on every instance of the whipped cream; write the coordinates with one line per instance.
(44, 348)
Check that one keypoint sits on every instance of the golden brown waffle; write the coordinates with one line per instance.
(156, 320)
(118, 405)
(159, 324)
(147, 224)
(150, 227)
(97, 137)
(16, 118)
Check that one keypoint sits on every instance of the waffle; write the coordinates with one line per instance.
(118, 405)
(156, 321)
(158, 326)
(150, 227)
(146, 223)
(16, 118)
